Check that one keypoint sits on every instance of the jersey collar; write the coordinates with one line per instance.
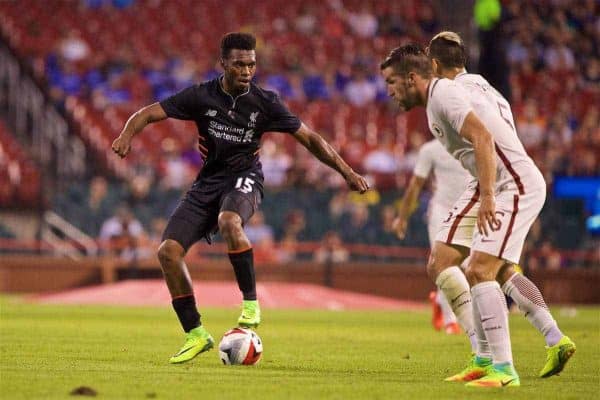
(220, 82)
(463, 72)
(430, 87)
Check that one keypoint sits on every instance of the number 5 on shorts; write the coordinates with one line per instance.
(244, 184)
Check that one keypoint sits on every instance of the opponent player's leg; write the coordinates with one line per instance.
(528, 297)
(449, 321)
(456, 232)
(443, 268)
(437, 319)
(238, 207)
(442, 315)
(490, 307)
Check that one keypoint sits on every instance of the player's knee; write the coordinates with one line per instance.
(229, 223)
(170, 253)
(433, 268)
(505, 273)
(483, 267)
(439, 261)
(477, 272)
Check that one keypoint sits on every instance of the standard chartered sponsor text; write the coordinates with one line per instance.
(227, 132)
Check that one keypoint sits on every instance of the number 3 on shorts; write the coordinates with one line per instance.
(244, 184)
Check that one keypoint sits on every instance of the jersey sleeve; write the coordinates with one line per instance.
(280, 117)
(452, 103)
(424, 162)
(182, 105)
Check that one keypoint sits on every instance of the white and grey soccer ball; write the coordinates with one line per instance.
(240, 346)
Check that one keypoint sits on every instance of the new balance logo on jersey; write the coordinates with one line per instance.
(211, 113)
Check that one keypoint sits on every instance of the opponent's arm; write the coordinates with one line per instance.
(135, 124)
(475, 132)
(408, 205)
(327, 155)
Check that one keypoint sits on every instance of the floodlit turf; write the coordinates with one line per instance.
(122, 353)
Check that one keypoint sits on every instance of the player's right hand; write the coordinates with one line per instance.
(399, 227)
(357, 182)
(486, 216)
(121, 146)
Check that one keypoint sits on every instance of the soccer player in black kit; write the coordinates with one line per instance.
(231, 113)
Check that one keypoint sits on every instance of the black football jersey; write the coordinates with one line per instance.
(230, 128)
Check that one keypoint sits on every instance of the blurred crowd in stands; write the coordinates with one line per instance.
(102, 59)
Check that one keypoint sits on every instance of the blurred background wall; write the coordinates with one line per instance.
(71, 72)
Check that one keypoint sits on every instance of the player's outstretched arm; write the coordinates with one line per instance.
(135, 124)
(327, 155)
(475, 132)
(408, 205)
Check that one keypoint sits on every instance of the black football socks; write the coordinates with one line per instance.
(185, 307)
(243, 266)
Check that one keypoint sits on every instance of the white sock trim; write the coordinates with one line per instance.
(531, 302)
(476, 289)
(508, 284)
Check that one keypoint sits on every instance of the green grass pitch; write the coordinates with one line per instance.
(122, 353)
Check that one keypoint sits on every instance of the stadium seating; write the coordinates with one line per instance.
(104, 67)
(121, 58)
(101, 65)
(19, 177)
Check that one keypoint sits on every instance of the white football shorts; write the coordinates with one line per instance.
(515, 210)
(436, 214)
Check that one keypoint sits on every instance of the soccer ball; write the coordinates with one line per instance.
(240, 346)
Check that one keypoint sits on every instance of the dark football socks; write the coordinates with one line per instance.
(243, 266)
(185, 307)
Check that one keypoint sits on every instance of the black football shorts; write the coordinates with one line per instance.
(197, 213)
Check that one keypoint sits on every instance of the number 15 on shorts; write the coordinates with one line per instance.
(244, 184)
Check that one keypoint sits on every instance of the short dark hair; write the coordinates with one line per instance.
(407, 58)
(237, 40)
(448, 48)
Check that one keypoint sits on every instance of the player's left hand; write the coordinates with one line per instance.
(486, 217)
(357, 182)
(121, 145)
(399, 227)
